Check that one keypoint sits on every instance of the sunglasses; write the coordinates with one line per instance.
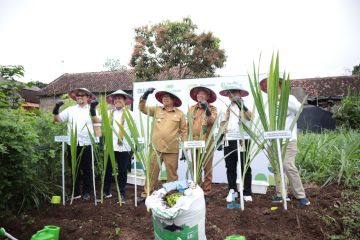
(81, 95)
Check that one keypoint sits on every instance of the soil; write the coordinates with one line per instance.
(83, 220)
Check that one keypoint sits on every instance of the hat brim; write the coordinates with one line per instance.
(194, 91)
(128, 99)
(73, 93)
(226, 92)
(263, 84)
(159, 95)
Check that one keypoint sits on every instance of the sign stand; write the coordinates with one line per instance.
(62, 139)
(194, 145)
(141, 141)
(280, 135)
(238, 136)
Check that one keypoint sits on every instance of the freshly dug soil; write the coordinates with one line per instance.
(83, 220)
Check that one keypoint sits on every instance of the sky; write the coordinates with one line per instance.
(315, 38)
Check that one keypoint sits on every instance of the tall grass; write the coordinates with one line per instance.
(330, 157)
(143, 150)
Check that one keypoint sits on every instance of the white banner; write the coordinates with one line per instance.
(260, 165)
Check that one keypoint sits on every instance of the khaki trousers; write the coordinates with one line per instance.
(206, 184)
(171, 164)
(291, 172)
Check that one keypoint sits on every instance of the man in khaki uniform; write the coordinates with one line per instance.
(204, 116)
(170, 125)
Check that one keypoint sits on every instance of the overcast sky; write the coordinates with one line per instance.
(314, 37)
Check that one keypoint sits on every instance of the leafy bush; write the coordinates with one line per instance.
(348, 114)
(330, 157)
(30, 166)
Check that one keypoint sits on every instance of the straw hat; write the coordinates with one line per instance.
(234, 87)
(128, 98)
(263, 84)
(75, 91)
(194, 91)
(159, 95)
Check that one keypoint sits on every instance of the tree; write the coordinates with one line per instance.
(37, 84)
(11, 72)
(113, 64)
(174, 46)
(356, 70)
(10, 88)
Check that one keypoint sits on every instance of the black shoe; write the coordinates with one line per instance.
(122, 198)
(140, 200)
(86, 197)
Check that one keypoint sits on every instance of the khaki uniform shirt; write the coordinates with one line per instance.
(168, 127)
(201, 122)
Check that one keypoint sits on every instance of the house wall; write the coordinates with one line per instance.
(47, 103)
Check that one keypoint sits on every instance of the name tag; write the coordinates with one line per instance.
(194, 144)
(277, 134)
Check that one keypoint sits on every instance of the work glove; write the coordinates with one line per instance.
(93, 105)
(220, 143)
(205, 106)
(182, 157)
(57, 107)
(147, 92)
(240, 103)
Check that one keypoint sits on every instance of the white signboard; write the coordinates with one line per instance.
(277, 134)
(260, 165)
(236, 136)
(62, 138)
(194, 144)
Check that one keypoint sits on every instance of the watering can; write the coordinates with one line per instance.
(3, 233)
(49, 232)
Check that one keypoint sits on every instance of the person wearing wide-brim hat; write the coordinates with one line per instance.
(169, 126)
(236, 112)
(204, 115)
(119, 100)
(290, 168)
(78, 115)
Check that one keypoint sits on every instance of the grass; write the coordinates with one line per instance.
(330, 157)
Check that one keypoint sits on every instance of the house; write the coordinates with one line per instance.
(31, 98)
(327, 91)
(96, 82)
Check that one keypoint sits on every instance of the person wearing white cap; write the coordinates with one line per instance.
(169, 126)
(119, 100)
(230, 120)
(290, 168)
(78, 115)
(204, 115)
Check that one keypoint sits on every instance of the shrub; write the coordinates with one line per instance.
(348, 114)
(30, 166)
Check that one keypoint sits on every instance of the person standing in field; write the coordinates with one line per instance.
(290, 168)
(169, 127)
(78, 115)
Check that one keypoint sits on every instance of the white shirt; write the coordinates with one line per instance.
(81, 117)
(293, 107)
(125, 147)
(233, 124)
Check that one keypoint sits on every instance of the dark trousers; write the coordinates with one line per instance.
(123, 161)
(231, 167)
(85, 169)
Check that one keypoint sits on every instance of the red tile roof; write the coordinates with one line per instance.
(328, 86)
(96, 82)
